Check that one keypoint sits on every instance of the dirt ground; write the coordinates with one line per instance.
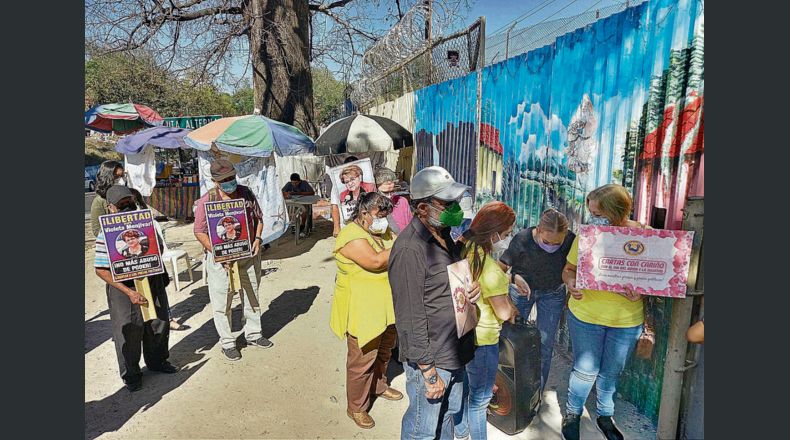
(295, 390)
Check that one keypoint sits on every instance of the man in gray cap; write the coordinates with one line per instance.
(223, 174)
(433, 356)
(126, 319)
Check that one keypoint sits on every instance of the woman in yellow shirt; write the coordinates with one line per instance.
(604, 326)
(362, 309)
(489, 232)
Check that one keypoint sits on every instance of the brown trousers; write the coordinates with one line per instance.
(366, 368)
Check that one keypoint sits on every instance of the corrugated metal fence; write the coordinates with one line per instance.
(618, 101)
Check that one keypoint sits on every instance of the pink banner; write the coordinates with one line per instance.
(649, 261)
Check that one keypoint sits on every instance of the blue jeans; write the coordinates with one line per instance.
(481, 372)
(599, 355)
(550, 305)
(429, 419)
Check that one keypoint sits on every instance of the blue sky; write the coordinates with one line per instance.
(500, 13)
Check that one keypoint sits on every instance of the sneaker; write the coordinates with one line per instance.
(261, 342)
(570, 426)
(302, 235)
(231, 353)
(607, 427)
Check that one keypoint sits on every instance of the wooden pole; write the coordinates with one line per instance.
(674, 365)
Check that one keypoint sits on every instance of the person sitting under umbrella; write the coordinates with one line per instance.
(298, 187)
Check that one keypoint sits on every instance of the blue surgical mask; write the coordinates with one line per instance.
(228, 187)
(457, 231)
(598, 221)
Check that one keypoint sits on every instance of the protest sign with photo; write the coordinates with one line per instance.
(460, 283)
(649, 261)
(349, 182)
(132, 245)
(228, 230)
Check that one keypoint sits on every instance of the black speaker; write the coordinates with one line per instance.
(517, 396)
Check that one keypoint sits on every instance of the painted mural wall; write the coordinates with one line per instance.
(446, 127)
(618, 101)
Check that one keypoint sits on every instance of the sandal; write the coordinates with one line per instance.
(174, 325)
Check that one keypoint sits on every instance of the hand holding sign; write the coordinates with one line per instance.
(137, 299)
(473, 292)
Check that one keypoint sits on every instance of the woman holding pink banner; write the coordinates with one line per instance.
(604, 326)
(490, 231)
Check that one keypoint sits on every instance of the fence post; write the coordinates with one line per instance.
(669, 411)
(481, 45)
(507, 40)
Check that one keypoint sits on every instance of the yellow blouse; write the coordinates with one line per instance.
(362, 303)
(602, 307)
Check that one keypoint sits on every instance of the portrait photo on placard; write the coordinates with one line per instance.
(229, 229)
(351, 181)
(132, 243)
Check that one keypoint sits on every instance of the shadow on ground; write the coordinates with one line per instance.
(285, 308)
(112, 412)
(285, 247)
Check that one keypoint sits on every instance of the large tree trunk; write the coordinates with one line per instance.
(280, 46)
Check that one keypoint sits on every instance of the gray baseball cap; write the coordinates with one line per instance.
(436, 182)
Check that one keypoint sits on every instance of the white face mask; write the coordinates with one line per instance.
(502, 244)
(379, 226)
(120, 181)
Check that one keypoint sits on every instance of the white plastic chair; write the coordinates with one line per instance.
(172, 256)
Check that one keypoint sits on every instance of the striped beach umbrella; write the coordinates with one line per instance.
(161, 137)
(362, 133)
(121, 118)
(252, 135)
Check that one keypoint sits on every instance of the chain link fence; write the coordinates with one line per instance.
(442, 59)
(510, 42)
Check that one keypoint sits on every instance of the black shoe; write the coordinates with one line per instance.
(570, 426)
(166, 367)
(135, 385)
(608, 428)
(231, 353)
(261, 342)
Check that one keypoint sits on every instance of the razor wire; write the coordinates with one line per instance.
(404, 60)
(505, 44)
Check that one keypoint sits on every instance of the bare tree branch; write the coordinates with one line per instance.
(322, 7)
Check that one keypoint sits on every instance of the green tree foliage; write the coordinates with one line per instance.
(243, 99)
(328, 95)
(124, 77)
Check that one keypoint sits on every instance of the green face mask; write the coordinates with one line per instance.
(453, 215)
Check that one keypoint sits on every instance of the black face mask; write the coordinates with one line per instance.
(128, 208)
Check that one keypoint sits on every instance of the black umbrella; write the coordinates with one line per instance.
(362, 133)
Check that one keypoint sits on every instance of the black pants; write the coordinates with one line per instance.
(129, 331)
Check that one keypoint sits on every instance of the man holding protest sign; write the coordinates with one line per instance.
(247, 268)
(129, 327)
